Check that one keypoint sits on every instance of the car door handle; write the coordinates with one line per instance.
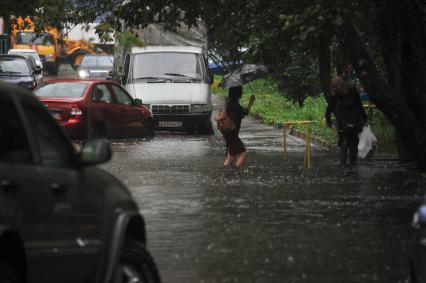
(58, 188)
(8, 186)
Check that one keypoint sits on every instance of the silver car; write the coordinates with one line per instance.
(95, 66)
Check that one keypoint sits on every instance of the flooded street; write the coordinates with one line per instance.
(273, 221)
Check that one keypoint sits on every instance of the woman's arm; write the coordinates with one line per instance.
(251, 101)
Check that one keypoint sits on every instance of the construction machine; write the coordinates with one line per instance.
(51, 45)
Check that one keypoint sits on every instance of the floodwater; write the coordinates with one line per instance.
(272, 221)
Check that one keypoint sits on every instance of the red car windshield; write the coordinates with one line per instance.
(62, 90)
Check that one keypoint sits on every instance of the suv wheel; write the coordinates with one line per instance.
(7, 275)
(137, 265)
(98, 131)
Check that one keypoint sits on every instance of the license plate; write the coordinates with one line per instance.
(170, 124)
(57, 116)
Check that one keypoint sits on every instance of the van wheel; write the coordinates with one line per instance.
(7, 275)
(206, 129)
(136, 264)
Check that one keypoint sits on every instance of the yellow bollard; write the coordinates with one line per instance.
(285, 143)
(307, 157)
(307, 160)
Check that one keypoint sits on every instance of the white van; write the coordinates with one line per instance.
(174, 82)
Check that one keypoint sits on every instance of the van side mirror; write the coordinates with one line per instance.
(211, 78)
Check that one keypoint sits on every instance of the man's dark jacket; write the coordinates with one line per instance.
(348, 110)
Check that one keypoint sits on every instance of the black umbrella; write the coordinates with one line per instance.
(244, 74)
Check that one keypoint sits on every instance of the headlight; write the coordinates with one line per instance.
(30, 84)
(198, 108)
(419, 217)
(50, 57)
(83, 74)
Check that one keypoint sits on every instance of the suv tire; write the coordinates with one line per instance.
(136, 264)
(7, 275)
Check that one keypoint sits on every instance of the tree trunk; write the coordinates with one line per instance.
(387, 100)
(325, 65)
(403, 39)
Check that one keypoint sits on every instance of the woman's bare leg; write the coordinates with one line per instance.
(241, 159)
(229, 160)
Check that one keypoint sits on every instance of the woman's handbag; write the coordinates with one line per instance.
(224, 123)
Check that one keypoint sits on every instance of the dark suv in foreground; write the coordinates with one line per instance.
(61, 218)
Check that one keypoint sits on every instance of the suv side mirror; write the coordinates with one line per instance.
(37, 70)
(110, 76)
(95, 152)
(138, 102)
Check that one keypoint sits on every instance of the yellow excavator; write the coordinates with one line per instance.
(50, 44)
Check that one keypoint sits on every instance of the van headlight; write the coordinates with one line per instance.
(198, 108)
(83, 74)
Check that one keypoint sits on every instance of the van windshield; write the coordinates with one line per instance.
(168, 65)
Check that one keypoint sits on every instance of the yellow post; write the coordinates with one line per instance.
(307, 157)
(308, 149)
(285, 142)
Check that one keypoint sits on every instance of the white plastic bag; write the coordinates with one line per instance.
(366, 141)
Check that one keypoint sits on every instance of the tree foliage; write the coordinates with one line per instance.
(303, 42)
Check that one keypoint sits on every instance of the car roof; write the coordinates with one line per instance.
(11, 56)
(184, 49)
(23, 50)
(98, 55)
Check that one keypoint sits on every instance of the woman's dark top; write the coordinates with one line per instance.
(236, 112)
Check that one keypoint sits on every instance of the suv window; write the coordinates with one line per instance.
(121, 95)
(53, 147)
(14, 145)
(14, 66)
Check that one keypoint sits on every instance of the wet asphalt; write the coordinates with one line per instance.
(274, 220)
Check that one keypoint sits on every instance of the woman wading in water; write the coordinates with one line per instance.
(235, 149)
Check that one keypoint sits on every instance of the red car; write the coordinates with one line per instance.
(91, 109)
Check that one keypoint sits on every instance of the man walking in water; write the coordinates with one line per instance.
(350, 118)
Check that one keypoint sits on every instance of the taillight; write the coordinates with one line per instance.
(75, 111)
